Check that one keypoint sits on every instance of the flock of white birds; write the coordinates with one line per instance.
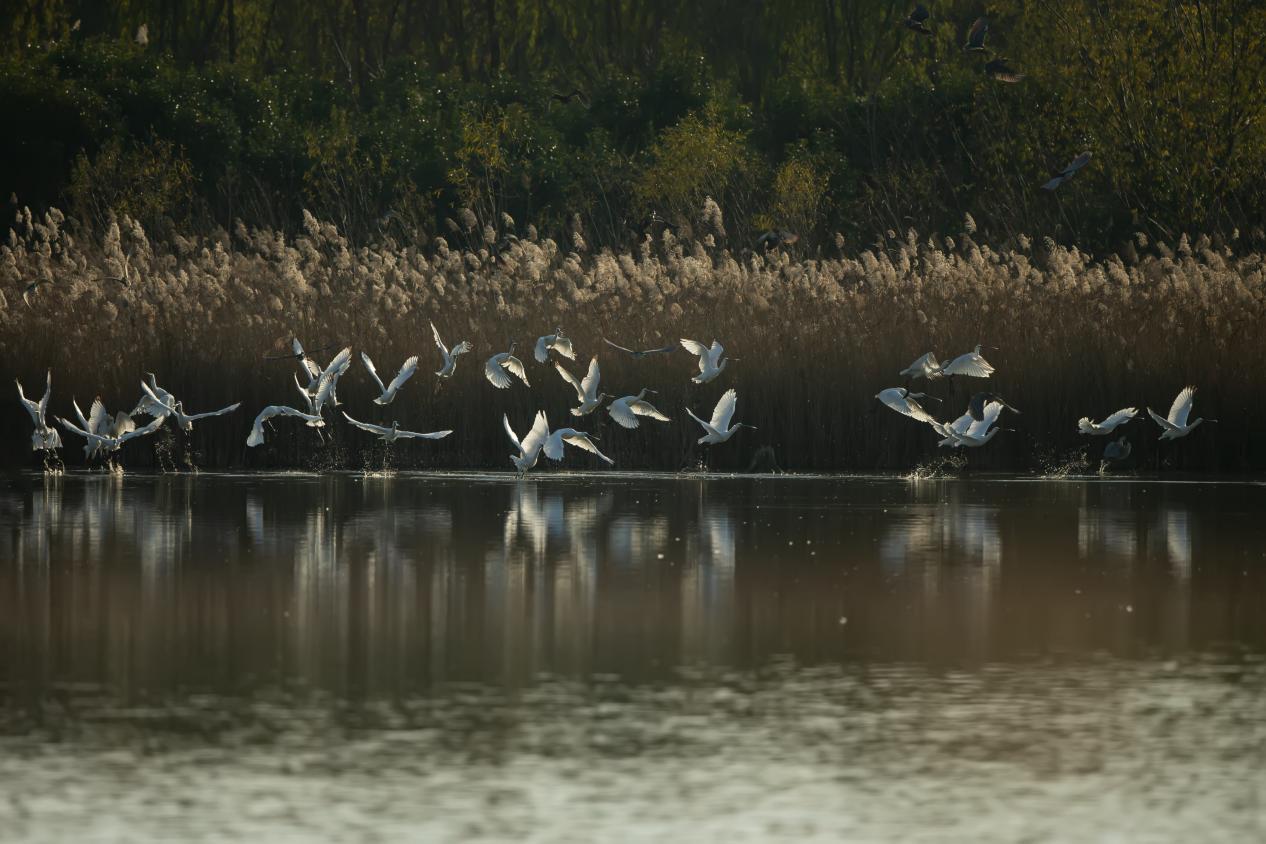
(317, 387)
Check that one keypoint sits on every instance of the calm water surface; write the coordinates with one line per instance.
(620, 658)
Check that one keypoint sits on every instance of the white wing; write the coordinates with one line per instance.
(589, 386)
(581, 440)
(365, 426)
(1181, 408)
(31, 407)
(553, 447)
(373, 371)
(340, 363)
(516, 366)
(622, 412)
(154, 425)
(535, 439)
(495, 374)
(406, 372)
(1161, 420)
(514, 438)
(988, 418)
(571, 379)
(1123, 415)
(98, 419)
(297, 347)
(715, 352)
(124, 424)
(79, 414)
(900, 401)
(194, 417)
(436, 334)
(75, 429)
(694, 347)
(310, 366)
(705, 425)
(413, 435)
(541, 352)
(970, 364)
(562, 345)
(48, 391)
(925, 365)
(724, 411)
(962, 424)
(644, 408)
(623, 349)
(461, 348)
(154, 406)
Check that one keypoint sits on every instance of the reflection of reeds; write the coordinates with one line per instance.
(817, 337)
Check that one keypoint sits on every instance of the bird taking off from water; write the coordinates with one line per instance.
(1175, 425)
(718, 430)
(256, 437)
(1108, 425)
(531, 444)
(625, 410)
(44, 437)
(903, 401)
(553, 447)
(555, 341)
(968, 432)
(1068, 172)
(496, 367)
(712, 359)
(586, 390)
(388, 392)
(450, 357)
(163, 404)
(390, 435)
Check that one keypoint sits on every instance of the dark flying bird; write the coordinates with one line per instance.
(639, 355)
(1118, 449)
(1068, 172)
(977, 405)
(775, 239)
(1002, 71)
(576, 94)
(976, 37)
(917, 20)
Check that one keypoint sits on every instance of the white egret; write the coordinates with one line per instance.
(925, 367)
(1175, 425)
(496, 367)
(555, 341)
(333, 371)
(44, 437)
(390, 435)
(553, 447)
(719, 429)
(177, 410)
(407, 369)
(711, 359)
(967, 432)
(903, 401)
(112, 442)
(450, 356)
(626, 410)
(1108, 425)
(256, 437)
(531, 444)
(103, 427)
(971, 364)
(638, 355)
(587, 390)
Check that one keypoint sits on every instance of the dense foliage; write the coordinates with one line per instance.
(388, 117)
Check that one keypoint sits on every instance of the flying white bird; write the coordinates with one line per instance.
(719, 429)
(390, 435)
(407, 369)
(44, 437)
(154, 401)
(1175, 425)
(925, 367)
(1108, 425)
(103, 427)
(587, 390)
(111, 443)
(156, 407)
(333, 371)
(711, 359)
(969, 432)
(256, 437)
(903, 401)
(626, 410)
(531, 444)
(553, 447)
(450, 357)
(495, 369)
(555, 341)
(971, 364)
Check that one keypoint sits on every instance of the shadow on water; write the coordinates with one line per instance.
(759, 655)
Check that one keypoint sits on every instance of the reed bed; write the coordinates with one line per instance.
(816, 338)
